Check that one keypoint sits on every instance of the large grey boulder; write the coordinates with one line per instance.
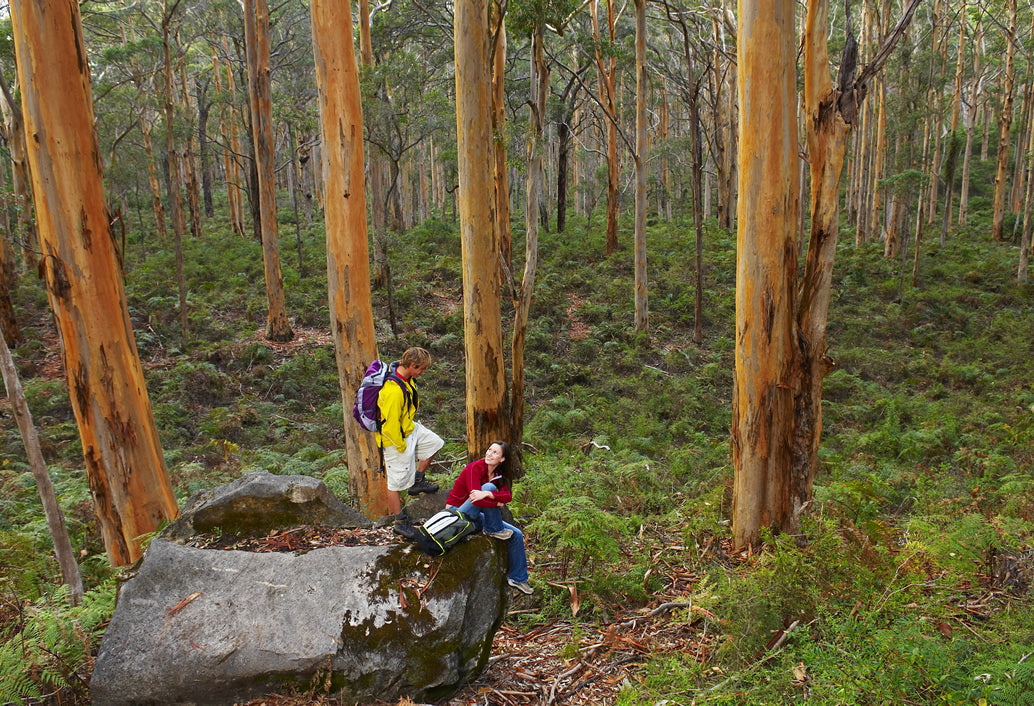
(365, 623)
(259, 502)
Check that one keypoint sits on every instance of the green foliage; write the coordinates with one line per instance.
(925, 463)
(48, 645)
(791, 583)
(583, 534)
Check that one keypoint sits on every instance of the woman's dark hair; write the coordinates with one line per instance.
(505, 468)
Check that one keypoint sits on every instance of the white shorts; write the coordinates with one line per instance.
(421, 445)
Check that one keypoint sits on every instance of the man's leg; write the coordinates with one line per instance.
(427, 445)
(400, 472)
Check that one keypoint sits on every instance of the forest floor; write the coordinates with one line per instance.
(568, 661)
(559, 662)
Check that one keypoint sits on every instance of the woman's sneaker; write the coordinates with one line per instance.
(523, 586)
(501, 534)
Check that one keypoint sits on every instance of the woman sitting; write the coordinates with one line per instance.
(484, 486)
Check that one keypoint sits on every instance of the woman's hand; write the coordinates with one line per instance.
(479, 495)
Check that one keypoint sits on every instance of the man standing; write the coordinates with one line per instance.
(408, 445)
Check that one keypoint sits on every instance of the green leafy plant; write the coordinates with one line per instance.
(49, 644)
(584, 535)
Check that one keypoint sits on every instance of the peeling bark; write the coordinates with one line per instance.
(256, 30)
(348, 265)
(124, 461)
(482, 316)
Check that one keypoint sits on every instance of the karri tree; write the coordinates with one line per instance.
(256, 33)
(348, 266)
(781, 358)
(124, 461)
(762, 411)
(487, 417)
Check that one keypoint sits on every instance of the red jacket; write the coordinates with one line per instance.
(473, 477)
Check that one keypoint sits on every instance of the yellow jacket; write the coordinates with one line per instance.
(396, 415)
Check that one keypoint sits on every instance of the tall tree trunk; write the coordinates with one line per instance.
(862, 159)
(1005, 123)
(8, 268)
(664, 182)
(381, 265)
(487, 415)
(607, 73)
(952, 143)
(152, 173)
(204, 111)
(51, 509)
(876, 191)
(256, 34)
(502, 181)
(974, 93)
(234, 191)
(935, 117)
(348, 266)
(172, 161)
(522, 297)
(642, 315)
(293, 177)
(21, 180)
(1028, 201)
(727, 197)
(563, 160)
(124, 461)
(781, 344)
(698, 214)
(567, 118)
(763, 412)
(192, 183)
(697, 169)
(8, 321)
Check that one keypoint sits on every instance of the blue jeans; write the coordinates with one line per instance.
(491, 520)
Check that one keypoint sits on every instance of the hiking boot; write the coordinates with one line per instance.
(501, 534)
(422, 485)
(403, 527)
(523, 586)
(386, 521)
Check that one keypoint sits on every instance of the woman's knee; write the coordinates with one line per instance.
(489, 486)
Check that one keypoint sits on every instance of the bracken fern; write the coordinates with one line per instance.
(51, 650)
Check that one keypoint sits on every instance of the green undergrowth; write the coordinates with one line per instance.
(886, 595)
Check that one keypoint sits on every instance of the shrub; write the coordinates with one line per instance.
(47, 648)
(585, 536)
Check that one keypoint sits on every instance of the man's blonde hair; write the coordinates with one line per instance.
(416, 357)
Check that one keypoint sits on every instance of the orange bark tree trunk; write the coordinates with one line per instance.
(348, 263)
(124, 462)
(487, 415)
(21, 181)
(175, 178)
(762, 412)
(502, 180)
(607, 72)
(382, 273)
(152, 178)
(642, 312)
(1005, 124)
(781, 342)
(256, 37)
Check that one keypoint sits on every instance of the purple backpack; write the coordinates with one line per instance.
(365, 409)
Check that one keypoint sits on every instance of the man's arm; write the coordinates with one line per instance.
(390, 402)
